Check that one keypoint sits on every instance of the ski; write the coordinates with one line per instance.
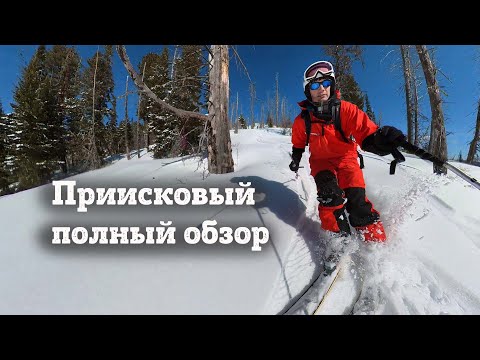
(338, 274)
(336, 288)
(345, 289)
(308, 302)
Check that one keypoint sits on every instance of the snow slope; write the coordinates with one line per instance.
(429, 265)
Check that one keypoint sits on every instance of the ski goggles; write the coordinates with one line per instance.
(324, 83)
(314, 69)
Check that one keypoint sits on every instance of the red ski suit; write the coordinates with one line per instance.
(329, 151)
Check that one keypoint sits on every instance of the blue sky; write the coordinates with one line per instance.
(380, 78)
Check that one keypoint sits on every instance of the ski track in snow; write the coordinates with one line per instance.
(302, 260)
(394, 280)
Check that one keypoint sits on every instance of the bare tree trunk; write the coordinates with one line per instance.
(276, 100)
(127, 150)
(476, 137)
(65, 67)
(138, 114)
(94, 161)
(262, 114)
(236, 118)
(220, 160)
(232, 116)
(252, 103)
(416, 110)
(172, 73)
(407, 74)
(270, 110)
(438, 139)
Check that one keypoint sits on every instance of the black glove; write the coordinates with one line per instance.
(389, 136)
(294, 166)
(383, 141)
(296, 157)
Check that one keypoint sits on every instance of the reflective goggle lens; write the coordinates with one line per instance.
(316, 85)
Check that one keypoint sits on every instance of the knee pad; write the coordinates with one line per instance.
(328, 191)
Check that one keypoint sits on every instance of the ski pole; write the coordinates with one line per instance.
(422, 154)
(296, 172)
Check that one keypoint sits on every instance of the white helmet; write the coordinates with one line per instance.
(313, 72)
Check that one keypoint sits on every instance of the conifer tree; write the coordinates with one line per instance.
(36, 122)
(128, 133)
(368, 110)
(97, 93)
(4, 181)
(156, 77)
(269, 120)
(63, 68)
(11, 144)
(188, 87)
(343, 57)
(113, 138)
(242, 123)
(350, 91)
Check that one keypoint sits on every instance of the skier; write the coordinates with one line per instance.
(333, 154)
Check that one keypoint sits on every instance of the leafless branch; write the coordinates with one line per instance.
(241, 62)
(122, 53)
(208, 49)
(386, 56)
(446, 77)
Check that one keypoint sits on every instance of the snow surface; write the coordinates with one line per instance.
(429, 265)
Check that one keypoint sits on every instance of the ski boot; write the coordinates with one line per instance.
(372, 232)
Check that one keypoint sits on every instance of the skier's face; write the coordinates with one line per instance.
(320, 94)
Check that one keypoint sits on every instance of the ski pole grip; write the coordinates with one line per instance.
(399, 158)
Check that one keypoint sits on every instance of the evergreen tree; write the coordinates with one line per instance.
(121, 135)
(460, 159)
(98, 80)
(4, 181)
(188, 86)
(63, 68)
(351, 91)
(156, 77)
(369, 110)
(36, 122)
(11, 144)
(242, 123)
(343, 56)
(270, 120)
(112, 135)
